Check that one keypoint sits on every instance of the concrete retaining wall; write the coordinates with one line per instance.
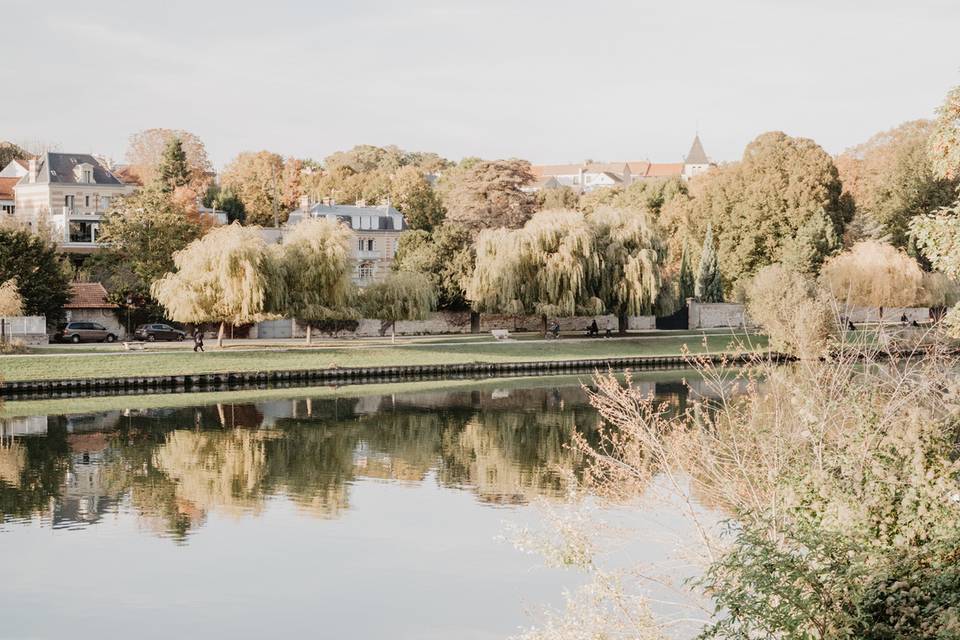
(30, 330)
(717, 315)
(890, 314)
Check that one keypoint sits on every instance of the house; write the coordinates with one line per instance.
(88, 303)
(69, 192)
(9, 176)
(376, 232)
(589, 175)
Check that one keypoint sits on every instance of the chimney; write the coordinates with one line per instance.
(32, 170)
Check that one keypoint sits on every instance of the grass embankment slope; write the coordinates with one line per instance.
(181, 362)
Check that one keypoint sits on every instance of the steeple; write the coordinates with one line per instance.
(696, 155)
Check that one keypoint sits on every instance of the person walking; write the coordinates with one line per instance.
(197, 340)
(594, 330)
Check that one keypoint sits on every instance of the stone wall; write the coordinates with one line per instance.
(717, 315)
(452, 322)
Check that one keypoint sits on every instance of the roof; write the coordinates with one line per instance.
(23, 163)
(386, 215)
(545, 170)
(58, 168)
(697, 155)
(125, 174)
(663, 170)
(6, 188)
(88, 295)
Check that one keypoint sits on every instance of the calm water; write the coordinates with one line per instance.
(332, 516)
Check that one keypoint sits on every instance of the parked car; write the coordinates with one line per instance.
(83, 332)
(151, 332)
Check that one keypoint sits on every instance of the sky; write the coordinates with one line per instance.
(549, 81)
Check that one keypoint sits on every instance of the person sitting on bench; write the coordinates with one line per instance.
(593, 329)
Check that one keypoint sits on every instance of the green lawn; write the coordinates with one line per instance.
(178, 362)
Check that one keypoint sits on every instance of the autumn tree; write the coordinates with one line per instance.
(642, 195)
(874, 274)
(402, 295)
(11, 302)
(562, 197)
(413, 195)
(10, 152)
(782, 201)
(146, 151)
(227, 276)
(945, 138)
(268, 186)
(316, 265)
(708, 286)
(489, 194)
(891, 179)
(38, 268)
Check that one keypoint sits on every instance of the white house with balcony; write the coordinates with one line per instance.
(68, 193)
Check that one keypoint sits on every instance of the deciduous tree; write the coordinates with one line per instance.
(316, 263)
(402, 295)
(489, 194)
(227, 276)
(256, 179)
(9, 152)
(445, 256)
(146, 151)
(874, 274)
(945, 139)
(413, 195)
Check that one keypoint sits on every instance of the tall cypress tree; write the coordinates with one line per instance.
(173, 171)
(686, 287)
(709, 287)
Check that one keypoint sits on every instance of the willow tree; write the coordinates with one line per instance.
(562, 263)
(628, 253)
(874, 274)
(403, 295)
(227, 276)
(316, 264)
(11, 304)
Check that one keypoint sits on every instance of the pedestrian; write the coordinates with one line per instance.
(609, 329)
(197, 340)
(594, 329)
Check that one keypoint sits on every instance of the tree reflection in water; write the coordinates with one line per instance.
(172, 467)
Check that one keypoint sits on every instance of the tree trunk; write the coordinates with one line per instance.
(544, 318)
(393, 332)
(474, 322)
(622, 324)
(223, 330)
(309, 336)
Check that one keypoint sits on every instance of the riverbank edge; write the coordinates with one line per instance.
(41, 389)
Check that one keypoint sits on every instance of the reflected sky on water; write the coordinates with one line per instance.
(366, 516)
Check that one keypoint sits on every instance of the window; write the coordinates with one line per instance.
(86, 201)
(68, 202)
(360, 244)
(87, 176)
(104, 202)
(370, 245)
(81, 231)
(366, 270)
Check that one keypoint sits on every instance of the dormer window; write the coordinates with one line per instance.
(83, 173)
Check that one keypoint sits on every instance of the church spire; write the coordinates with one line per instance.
(696, 155)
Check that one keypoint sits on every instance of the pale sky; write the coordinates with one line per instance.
(550, 81)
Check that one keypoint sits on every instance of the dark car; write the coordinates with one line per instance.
(83, 332)
(151, 332)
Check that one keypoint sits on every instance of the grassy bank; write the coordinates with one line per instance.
(116, 364)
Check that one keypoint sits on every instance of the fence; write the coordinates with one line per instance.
(29, 329)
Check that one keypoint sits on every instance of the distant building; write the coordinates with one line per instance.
(376, 233)
(88, 303)
(587, 176)
(70, 192)
(9, 176)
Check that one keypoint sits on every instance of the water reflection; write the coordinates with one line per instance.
(171, 468)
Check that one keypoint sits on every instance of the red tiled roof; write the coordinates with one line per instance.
(88, 295)
(6, 188)
(664, 170)
(23, 163)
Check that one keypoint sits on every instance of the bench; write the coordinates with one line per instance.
(134, 346)
(500, 334)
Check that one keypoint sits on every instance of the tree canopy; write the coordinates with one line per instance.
(147, 150)
(874, 274)
(782, 202)
(945, 139)
(564, 262)
(227, 276)
(445, 256)
(708, 286)
(402, 295)
(10, 152)
(33, 261)
(11, 302)
(891, 179)
(266, 184)
(413, 195)
(489, 194)
(173, 171)
(316, 264)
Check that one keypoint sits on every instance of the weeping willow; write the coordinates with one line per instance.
(562, 263)
(228, 275)
(403, 295)
(11, 304)
(316, 264)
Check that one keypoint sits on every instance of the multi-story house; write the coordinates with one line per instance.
(9, 176)
(68, 192)
(376, 233)
(587, 176)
